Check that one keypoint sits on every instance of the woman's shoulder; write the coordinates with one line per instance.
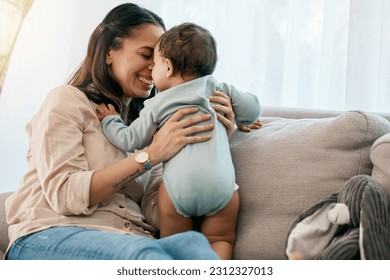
(66, 99)
(67, 93)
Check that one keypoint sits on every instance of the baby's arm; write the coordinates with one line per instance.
(137, 135)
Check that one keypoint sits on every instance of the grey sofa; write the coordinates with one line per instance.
(296, 159)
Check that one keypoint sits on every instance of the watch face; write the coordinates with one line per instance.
(142, 156)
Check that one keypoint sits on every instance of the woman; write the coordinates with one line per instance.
(80, 197)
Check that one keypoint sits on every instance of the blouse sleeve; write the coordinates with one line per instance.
(58, 152)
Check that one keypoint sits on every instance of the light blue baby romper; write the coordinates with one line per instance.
(200, 179)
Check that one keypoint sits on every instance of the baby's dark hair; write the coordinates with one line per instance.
(191, 48)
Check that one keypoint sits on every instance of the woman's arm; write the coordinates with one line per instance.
(167, 142)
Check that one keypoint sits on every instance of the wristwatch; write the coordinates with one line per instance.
(142, 157)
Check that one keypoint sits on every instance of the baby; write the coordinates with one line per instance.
(200, 179)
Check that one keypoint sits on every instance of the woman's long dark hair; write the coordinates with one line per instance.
(92, 77)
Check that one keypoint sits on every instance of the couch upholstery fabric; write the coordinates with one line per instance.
(290, 164)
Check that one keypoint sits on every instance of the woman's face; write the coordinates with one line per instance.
(131, 65)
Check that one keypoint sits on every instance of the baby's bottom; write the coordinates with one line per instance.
(220, 228)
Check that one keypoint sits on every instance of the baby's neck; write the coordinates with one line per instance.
(178, 79)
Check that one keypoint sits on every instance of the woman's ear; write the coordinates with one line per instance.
(108, 58)
(169, 67)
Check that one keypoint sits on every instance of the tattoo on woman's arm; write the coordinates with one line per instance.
(123, 183)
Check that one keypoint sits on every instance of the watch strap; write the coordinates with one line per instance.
(147, 165)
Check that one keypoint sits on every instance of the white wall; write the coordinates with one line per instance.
(51, 44)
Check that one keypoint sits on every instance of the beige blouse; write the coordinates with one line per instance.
(66, 145)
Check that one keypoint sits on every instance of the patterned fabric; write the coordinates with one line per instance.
(344, 247)
(365, 235)
(375, 223)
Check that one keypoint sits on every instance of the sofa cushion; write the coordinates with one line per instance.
(380, 157)
(288, 165)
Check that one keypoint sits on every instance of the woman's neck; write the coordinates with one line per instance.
(127, 100)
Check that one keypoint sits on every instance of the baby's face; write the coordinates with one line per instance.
(159, 72)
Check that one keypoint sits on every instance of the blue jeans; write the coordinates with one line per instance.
(75, 243)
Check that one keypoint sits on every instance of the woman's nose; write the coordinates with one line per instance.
(150, 66)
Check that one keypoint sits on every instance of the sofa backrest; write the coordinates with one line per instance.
(298, 113)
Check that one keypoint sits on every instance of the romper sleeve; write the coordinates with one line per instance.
(137, 135)
(58, 151)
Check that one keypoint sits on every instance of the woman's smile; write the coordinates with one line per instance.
(147, 81)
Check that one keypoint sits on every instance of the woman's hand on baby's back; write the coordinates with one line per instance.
(178, 132)
(224, 109)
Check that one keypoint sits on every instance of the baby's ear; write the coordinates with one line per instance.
(169, 67)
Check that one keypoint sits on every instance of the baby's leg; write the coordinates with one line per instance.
(220, 228)
(171, 221)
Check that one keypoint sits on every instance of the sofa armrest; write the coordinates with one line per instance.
(380, 154)
(3, 224)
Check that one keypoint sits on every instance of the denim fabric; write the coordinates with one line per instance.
(75, 243)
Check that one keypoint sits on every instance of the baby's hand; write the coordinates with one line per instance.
(247, 128)
(103, 111)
